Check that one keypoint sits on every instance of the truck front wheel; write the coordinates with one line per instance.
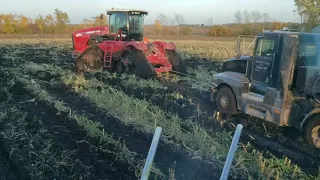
(312, 131)
(225, 101)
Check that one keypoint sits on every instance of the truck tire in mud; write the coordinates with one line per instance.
(225, 101)
(312, 131)
(141, 66)
(176, 62)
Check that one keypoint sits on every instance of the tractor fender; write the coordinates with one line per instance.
(138, 45)
(310, 114)
(165, 45)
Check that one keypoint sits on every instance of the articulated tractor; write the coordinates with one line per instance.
(122, 48)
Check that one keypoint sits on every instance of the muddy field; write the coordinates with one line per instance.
(56, 125)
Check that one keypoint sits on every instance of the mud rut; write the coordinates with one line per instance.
(138, 141)
(90, 164)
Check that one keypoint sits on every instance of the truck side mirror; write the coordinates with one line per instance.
(101, 16)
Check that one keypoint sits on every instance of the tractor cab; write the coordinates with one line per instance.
(129, 22)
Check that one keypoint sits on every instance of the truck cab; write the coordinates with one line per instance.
(279, 82)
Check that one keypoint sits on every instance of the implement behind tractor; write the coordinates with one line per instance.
(121, 47)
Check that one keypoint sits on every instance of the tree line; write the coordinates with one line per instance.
(245, 22)
(56, 23)
(251, 22)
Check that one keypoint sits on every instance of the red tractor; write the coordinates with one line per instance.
(121, 47)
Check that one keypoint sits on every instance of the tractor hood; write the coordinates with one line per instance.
(88, 31)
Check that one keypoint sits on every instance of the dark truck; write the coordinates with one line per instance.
(279, 82)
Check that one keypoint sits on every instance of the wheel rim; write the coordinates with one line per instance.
(223, 102)
(315, 136)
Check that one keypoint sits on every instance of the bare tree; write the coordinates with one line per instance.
(180, 20)
(238, 17)
(246, 16)
(256, 17)
(163, 19)
(266, 19)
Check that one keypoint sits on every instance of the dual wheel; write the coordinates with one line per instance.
(225, 103)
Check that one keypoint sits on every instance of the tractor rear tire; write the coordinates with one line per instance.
(141, 66)
(176, 62)
(225, 102)
(312, 131)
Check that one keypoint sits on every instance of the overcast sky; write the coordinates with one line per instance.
(194, 11)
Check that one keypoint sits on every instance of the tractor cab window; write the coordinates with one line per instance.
(263, 61)
(135, 24)
(118, 21)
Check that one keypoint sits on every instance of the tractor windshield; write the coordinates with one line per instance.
(136, 24)
(309, 50)
(118, 21)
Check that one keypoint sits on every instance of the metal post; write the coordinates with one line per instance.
(151, 154)
(232, 150)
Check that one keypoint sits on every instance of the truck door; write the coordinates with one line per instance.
(262, 85)
(271, 77)
(285, 78)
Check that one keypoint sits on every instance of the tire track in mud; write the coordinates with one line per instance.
(307, 162)
(203, 102)
(139, 142)
(67, 137)
(8, 170)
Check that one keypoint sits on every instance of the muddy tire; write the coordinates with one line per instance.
(90, 59)
(225, 102)
(119, 67)
(176, 62)
(312, 131)
(141, 66)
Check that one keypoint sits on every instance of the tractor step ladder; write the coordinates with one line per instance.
(107, 59)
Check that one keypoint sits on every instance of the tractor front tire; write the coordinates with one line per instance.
(312, 131)
(176, 62)
(94, 61)
(225, 102)
(141, 66)
(119, 67)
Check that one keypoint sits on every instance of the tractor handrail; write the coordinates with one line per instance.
(116, 35)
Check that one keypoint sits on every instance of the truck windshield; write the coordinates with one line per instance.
(309, 51)
(135, 24)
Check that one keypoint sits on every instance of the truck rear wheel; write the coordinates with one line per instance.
(225, 101)
(312, 131)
